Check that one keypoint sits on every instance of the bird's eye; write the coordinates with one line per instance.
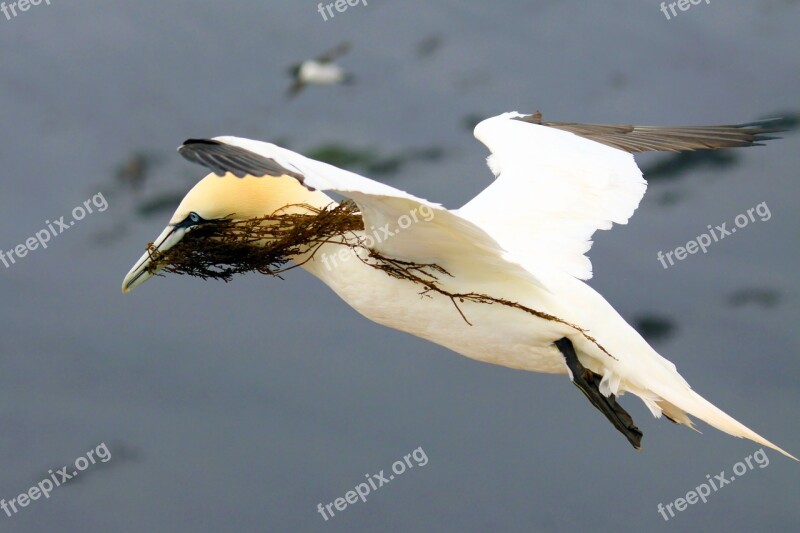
(190, 221)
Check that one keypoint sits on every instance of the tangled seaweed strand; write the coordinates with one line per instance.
(220, 250)
(427, 275)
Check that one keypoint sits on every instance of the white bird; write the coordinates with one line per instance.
(520, 244)
(320, 71)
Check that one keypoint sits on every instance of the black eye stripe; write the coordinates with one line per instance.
(192, 219)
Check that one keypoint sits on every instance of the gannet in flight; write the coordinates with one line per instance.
(320, 71)
(521, 243)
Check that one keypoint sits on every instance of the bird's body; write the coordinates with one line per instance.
(494, 334)
(319, 73)
(509, 265)
(505, 335)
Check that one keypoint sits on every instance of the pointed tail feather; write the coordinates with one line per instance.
(689, 402)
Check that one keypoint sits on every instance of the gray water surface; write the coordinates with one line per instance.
(241, 406)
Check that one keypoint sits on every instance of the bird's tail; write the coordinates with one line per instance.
(677, 404)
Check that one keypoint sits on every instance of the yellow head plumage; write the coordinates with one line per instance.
(227, 198)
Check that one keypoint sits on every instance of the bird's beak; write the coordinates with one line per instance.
(139, 273)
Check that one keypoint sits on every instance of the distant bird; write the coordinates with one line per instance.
(320, 71)
(134, 171)
(514, 258)
(429, 46)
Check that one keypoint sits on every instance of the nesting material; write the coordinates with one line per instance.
(220, 250)
(427, 276)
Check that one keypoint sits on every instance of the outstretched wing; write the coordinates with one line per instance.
(559, 182)
(635, 139)
(334, 53)
(295, 88)
(420, 231)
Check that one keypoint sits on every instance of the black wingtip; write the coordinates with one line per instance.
(223, 158)
(761, 129)
(764, 123)
(199, 141)
(189, 152)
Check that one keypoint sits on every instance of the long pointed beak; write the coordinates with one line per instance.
(139, 273)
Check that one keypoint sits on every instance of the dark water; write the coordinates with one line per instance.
(241, 406)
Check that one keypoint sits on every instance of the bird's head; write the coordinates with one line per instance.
(216, 199)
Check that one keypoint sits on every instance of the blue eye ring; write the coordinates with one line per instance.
(192, 219)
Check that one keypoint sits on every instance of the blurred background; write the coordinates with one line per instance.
(241, 406)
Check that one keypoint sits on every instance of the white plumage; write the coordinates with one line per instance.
(523, 239)
(553, 190)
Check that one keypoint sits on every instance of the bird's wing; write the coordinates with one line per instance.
(334, 53)
(295, 88)
(559, 182)
(420, 232)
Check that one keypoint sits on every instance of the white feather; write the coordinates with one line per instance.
(447, 235)
(554, 190)
(522, 239)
